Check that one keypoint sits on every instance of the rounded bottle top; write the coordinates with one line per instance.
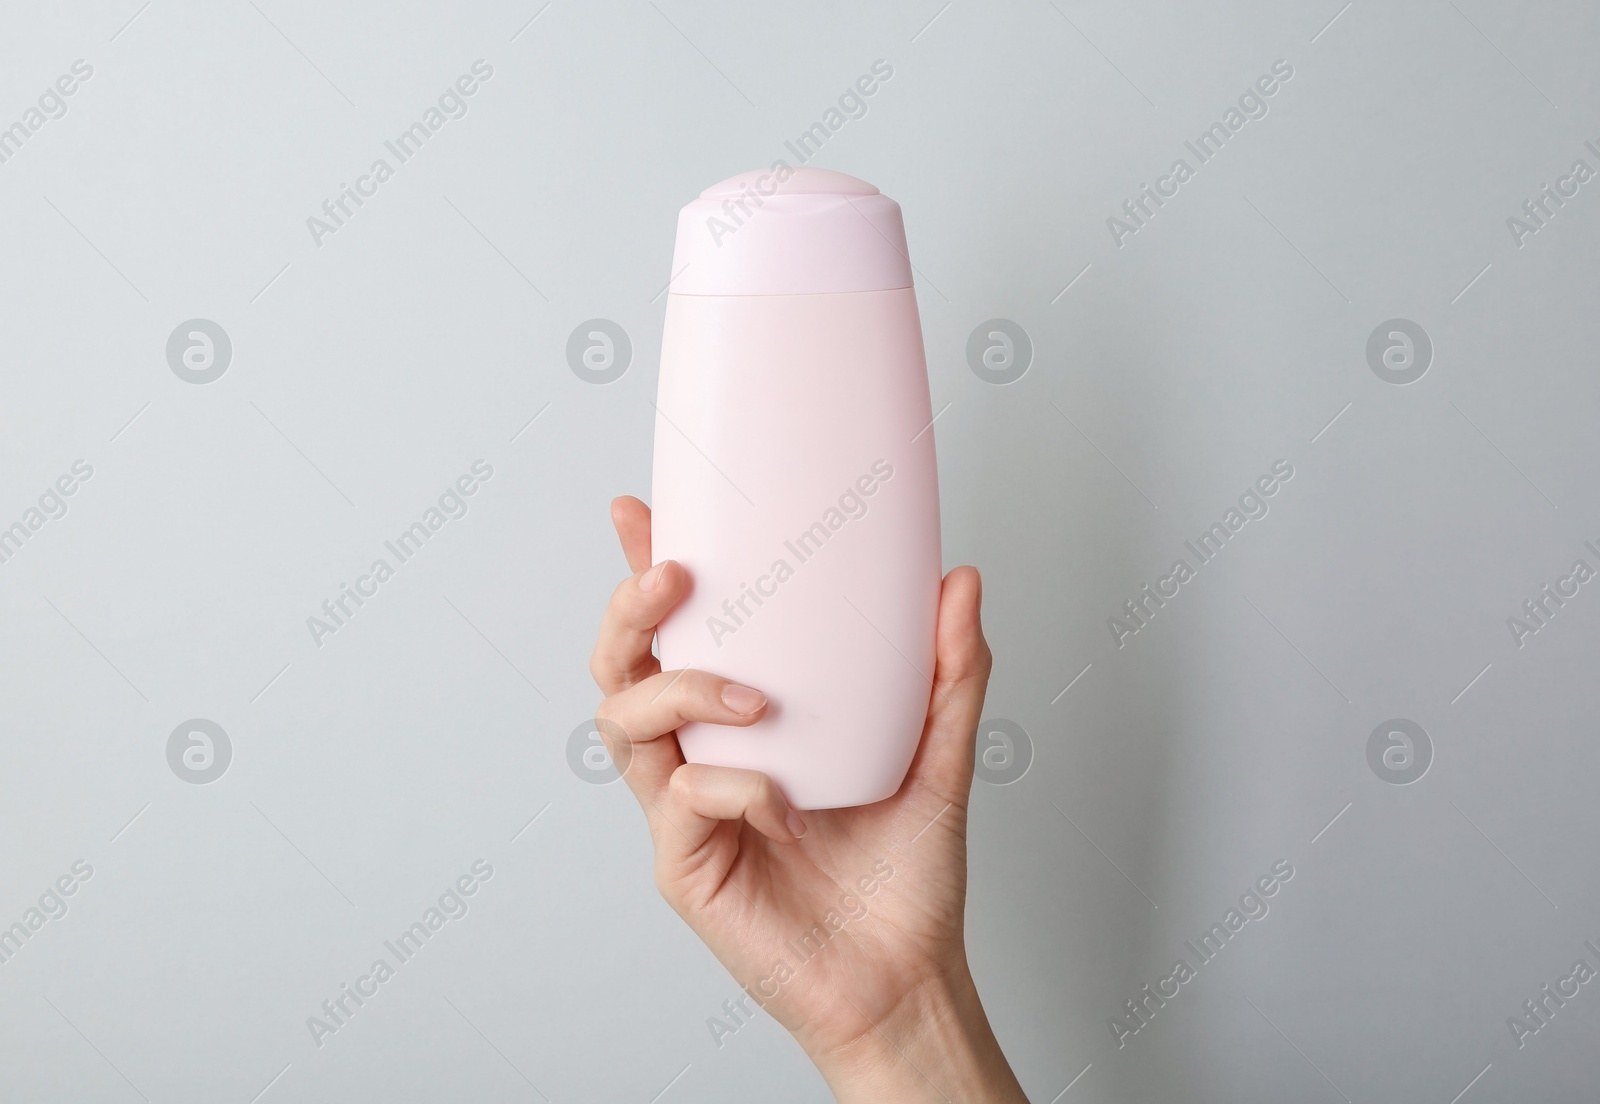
(783, 231)
(801, 181)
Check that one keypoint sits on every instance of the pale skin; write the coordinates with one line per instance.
(888, 1009)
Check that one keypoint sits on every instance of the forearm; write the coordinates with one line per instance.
(936, 1046)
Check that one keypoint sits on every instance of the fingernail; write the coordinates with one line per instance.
(796, 826)
(652, 578)
(742, 699)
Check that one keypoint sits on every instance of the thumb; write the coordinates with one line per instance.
(962, 661)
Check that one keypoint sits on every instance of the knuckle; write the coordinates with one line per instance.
(624, 614)
(681, 782)
(981, 657)
(634, 608)
(688, 688)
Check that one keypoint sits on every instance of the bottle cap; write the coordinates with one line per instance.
(783, 231)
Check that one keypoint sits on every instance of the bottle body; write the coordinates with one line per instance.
(795, 480)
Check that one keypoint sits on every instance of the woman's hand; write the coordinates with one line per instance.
(846, 925)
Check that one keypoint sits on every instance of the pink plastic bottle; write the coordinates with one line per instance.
(795, 480)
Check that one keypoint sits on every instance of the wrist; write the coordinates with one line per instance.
(935, 1044)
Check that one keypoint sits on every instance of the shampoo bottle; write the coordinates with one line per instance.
(794, 480)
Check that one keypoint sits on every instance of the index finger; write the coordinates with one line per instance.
(632, 520)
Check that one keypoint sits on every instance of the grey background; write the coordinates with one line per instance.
(369, 372)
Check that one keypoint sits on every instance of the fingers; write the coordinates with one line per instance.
(962, 662)
(667, 699)
(700, 797)
(656, 706)
(644, 703)
(632, 521)
(622, 655)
